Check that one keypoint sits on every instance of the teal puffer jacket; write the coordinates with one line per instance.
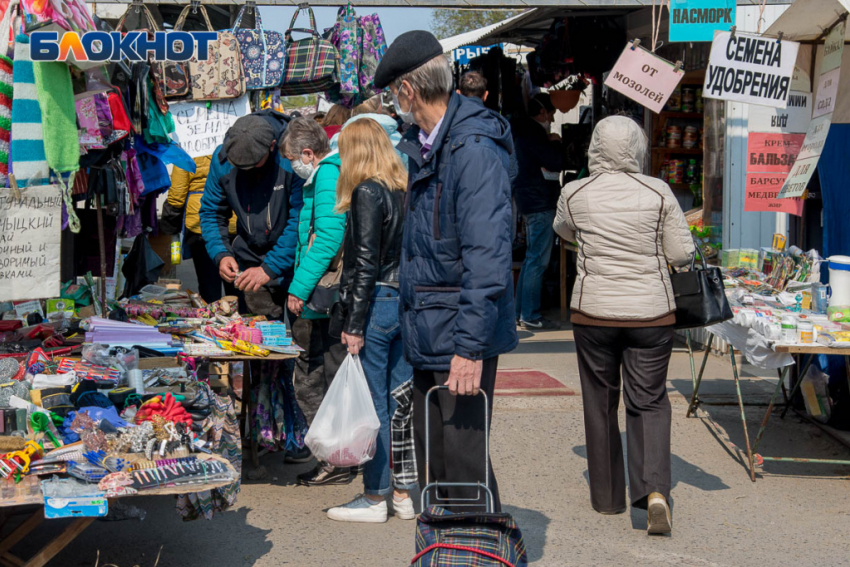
(311, 265)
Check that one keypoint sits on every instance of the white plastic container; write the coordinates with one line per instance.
(789, 330)
(839, 280)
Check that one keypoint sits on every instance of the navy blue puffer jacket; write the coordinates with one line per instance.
(455, 278)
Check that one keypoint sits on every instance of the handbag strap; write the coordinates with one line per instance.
(313, 29)
(185, 13)
(257, 18)
(146, 12)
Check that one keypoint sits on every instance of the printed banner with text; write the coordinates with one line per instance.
(751, 69)
(30, 236)
(199, 127)
(644, 77)
(697, 20)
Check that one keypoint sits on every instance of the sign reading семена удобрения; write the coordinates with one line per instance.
(751, 69)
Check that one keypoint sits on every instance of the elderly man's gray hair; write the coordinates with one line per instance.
(433, 80)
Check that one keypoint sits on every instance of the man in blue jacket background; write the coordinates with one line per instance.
(249, 177)
(455, 277)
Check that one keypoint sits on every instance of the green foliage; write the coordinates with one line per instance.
(298, 101)
(447, 23)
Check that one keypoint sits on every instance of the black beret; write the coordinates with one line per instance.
(410, 50)
(247, 142)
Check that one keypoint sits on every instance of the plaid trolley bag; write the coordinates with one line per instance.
(311, 63)
(465, 539)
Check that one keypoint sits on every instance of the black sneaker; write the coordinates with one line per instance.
(325, 474)
(542, 323)
(302, 455)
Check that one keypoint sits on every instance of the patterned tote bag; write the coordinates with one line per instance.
(262, 53)
(220, 75)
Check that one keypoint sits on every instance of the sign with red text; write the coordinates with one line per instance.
(750, 68)
(644, 77)
(772, 153)
(761, 192)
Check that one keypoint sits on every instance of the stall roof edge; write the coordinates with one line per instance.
(465, 4)
(806, 20)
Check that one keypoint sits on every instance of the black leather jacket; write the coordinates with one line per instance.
(371, 249)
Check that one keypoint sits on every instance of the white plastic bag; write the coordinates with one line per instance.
(346, 426)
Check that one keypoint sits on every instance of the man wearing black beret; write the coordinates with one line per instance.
(455, 279)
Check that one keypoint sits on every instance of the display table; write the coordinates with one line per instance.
(28, 493)
(780, 359)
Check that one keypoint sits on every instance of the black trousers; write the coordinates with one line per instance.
(458, 450)
(643, 354)
(209, 282)
(317, 365)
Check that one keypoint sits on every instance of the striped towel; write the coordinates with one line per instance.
(28, 159)
(5, 117)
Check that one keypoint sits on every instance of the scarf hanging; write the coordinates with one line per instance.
(55, 95)
(27, 147)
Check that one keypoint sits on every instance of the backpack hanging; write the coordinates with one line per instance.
(262, 53)
(311, 63)
(220, 74)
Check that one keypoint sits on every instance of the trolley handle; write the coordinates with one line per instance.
(486, 485)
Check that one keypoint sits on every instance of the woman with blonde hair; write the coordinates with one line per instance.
(371, 190)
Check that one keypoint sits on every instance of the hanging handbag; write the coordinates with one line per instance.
(262, 53)
(311, 63)
(700, 295)
(220, 74)
(157, 71)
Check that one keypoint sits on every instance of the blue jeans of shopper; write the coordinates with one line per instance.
(383, 363)
(539, 238)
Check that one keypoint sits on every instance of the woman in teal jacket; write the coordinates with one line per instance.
(306, 146)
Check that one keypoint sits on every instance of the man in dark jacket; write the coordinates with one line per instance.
(456, 304)
(248, 176)
(536, 190)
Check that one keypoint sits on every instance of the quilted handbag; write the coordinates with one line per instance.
(157, 68)
(220, 74)
(262, 54)
(311, 63)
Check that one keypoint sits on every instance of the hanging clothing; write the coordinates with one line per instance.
(278, 422)
(29, 162)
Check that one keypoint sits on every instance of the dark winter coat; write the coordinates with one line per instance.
(455, 282)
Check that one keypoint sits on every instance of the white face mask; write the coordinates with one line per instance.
(301, 169)
(406, 117)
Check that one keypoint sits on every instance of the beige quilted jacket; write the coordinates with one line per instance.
(628, 227)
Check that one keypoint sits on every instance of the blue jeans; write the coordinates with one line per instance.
(539, 238)
(386, 369)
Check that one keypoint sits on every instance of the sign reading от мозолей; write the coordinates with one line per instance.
(644, 77)
(751, 69)
(118, 46)
(697, 20)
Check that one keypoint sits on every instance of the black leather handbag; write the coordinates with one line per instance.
(700, 296)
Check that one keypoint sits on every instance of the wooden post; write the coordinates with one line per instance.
(102, 250)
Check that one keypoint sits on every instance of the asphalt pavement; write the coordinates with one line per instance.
(795, 514)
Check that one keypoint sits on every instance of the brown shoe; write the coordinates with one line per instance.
(660, 521)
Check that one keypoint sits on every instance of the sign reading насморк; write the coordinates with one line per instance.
(697, 20)
(750, 68)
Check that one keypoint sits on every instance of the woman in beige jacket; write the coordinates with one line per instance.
(628, 227)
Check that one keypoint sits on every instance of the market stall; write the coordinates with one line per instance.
(115, 381)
